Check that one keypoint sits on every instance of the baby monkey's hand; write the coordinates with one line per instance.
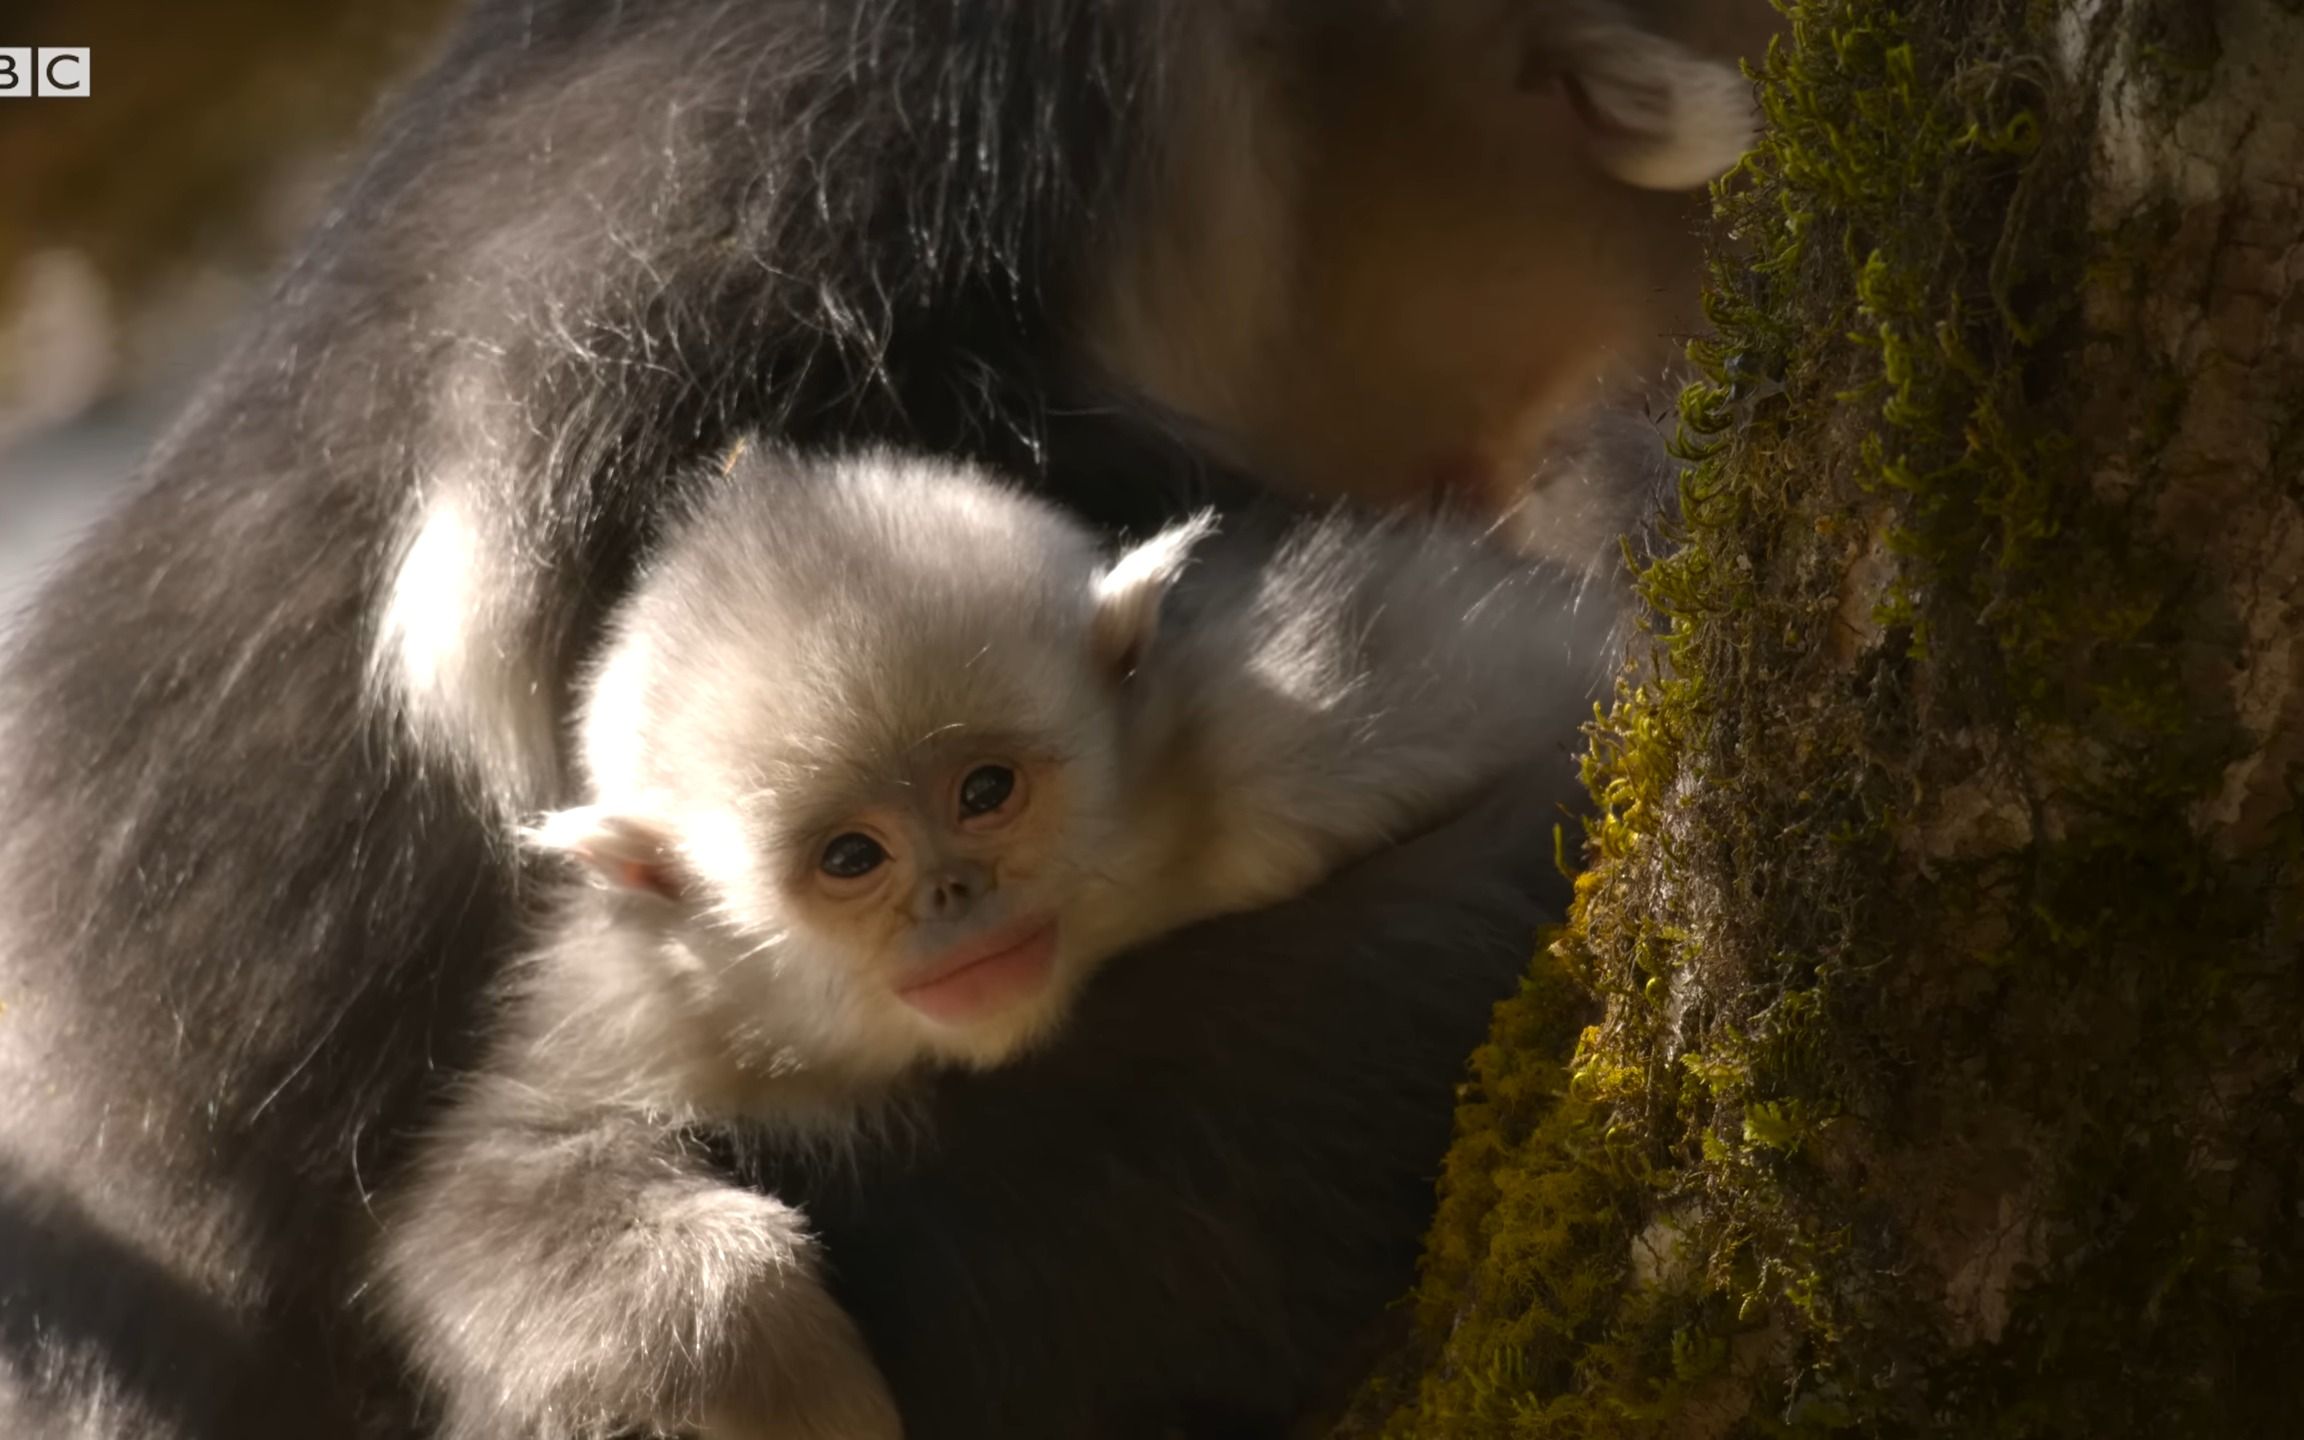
(804, 1374)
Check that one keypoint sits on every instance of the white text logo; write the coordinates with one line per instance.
(54, 71)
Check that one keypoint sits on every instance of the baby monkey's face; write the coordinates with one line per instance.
(873, 829)
(927, 904)
(947, 892)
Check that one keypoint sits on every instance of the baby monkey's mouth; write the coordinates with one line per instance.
(981, 976)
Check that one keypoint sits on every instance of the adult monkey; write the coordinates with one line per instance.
(266, 735)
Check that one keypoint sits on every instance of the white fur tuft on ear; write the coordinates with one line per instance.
(622, 852)
(1656, 114)
(1128, 595)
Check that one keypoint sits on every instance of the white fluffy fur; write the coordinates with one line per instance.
(1671, 119)
(446, 659)
(1128, 595)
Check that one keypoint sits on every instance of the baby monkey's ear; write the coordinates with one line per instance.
(1655, 113)
(1128, 595)
(622, 853)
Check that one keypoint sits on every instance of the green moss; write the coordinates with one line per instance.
(1824, 1063)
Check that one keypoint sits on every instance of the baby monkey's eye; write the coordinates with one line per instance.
(986, 789)
(851, 855)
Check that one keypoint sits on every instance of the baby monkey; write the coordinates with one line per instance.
(884, 758)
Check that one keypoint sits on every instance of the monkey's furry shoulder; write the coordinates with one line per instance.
(885, 760)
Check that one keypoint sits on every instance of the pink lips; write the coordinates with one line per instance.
(973, 980)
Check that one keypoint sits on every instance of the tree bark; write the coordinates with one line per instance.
(1940, 929)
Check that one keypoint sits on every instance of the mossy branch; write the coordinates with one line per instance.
(1941, 911)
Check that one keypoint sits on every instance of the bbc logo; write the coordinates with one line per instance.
(55, 72)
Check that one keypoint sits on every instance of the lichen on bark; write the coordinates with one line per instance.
(1941, 912)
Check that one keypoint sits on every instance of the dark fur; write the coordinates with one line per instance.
(1206, 1198)
(247, 916)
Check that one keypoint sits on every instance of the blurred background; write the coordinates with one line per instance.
(136, 223)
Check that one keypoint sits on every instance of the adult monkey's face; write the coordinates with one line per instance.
(1389, 264)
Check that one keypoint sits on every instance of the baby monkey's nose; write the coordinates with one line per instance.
(953, 889)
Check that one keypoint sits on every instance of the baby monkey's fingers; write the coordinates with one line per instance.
(812, 1378)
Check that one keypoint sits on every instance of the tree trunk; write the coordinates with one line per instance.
(1940, 933)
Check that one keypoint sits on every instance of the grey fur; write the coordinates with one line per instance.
(565, 1269)
(567, 1259)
